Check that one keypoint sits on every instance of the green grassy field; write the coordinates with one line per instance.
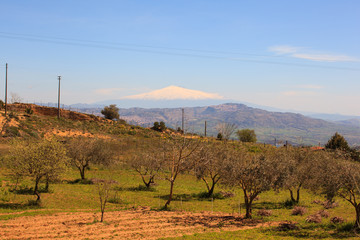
(68, 197)
(16, 198)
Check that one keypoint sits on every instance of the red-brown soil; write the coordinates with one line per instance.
(140, 223)
(51, 111)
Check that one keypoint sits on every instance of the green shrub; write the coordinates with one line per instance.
(4, 195)
(29, 111)
(12, 131)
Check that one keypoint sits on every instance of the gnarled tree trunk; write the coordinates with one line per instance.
(249, 198)
(82, 172)
(297, 199)
(36, 188)
(357, 222)
(170, 195)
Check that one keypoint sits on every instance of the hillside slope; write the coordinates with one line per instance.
(43, 122)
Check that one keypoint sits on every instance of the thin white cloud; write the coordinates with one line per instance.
(303, 53)
(284, 49)
(107, 91)
(305, 90)
(310, 86)
(299, 93)
(325, 57)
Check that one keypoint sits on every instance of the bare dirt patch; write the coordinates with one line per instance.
(140, 223)
(74, 133)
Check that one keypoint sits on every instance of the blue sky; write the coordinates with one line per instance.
(301, 55)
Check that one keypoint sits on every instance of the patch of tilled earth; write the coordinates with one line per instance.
(140, 223)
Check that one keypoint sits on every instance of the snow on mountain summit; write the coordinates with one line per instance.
(174, 93)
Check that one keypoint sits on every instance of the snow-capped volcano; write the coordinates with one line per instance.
(174, 93)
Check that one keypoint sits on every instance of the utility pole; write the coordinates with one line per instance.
(59, 77)
(205, 128)
(6, 76)
(182, 120)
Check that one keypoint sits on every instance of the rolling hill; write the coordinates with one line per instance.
(295, 128)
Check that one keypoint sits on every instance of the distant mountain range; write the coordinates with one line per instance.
(291, 127)
(269, 123)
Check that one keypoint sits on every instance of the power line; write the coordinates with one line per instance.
(135, 48)
(5, 34)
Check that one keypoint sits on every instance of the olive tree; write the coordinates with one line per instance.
(86, 151)
(37, 160)
(148, 161)
(178, 153)
(325, 172)
(350, 187)
(338, 176)
(296, 166)
(209, 162)
(254, 173)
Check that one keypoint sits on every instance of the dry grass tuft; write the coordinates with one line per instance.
(316, 218)
(264, 213)
(298, 210)
(336, 220)
(323, 213)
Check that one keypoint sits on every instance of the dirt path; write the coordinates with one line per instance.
(130, 224)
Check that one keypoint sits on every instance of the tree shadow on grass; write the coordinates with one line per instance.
(81, 181)
(268, 205)
(178, 197)
(31, 204)
(203, 196)
(317, 231)
(28, 191)
(140, 188)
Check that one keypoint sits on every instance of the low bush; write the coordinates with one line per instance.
(326, 204)
(317, 201)
(264, 213)
(226, 194)
(298, 210)
(12, 131)
(29, 111)
(329, 204)
(323, 213)
(287, 226)
(336, 220)
(315, 218)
